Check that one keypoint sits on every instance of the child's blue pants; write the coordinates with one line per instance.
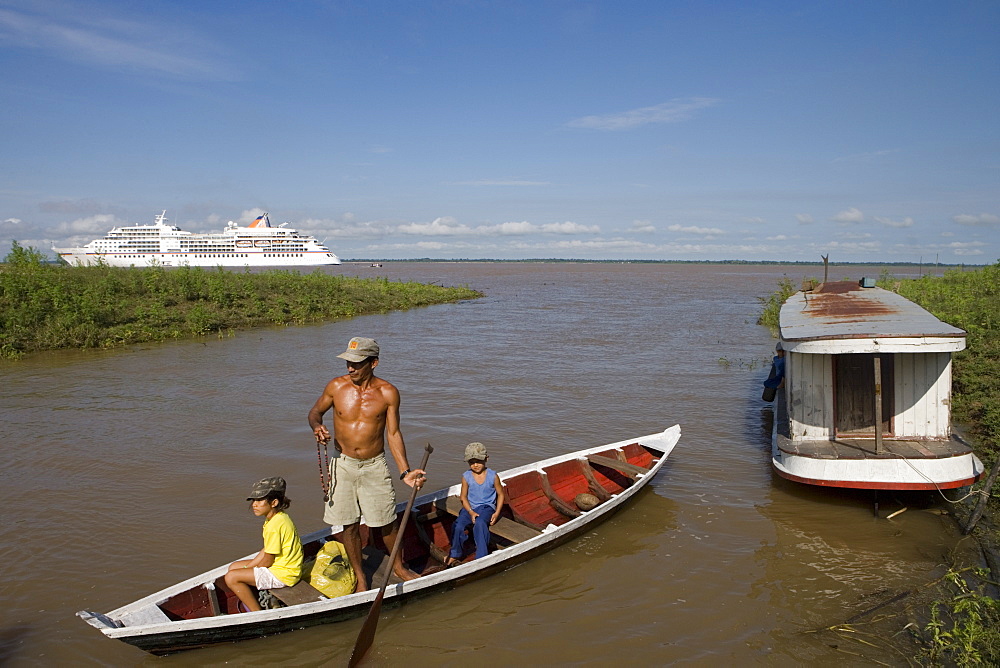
(480, 531)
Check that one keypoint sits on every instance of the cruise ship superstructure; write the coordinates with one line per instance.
(165, 245)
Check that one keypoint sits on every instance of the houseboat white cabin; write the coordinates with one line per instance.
(845, 346)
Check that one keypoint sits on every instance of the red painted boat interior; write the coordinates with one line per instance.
(535, 499)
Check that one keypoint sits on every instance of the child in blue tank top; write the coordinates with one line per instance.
(482, 500)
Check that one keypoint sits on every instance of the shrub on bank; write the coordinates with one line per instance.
(45, 306)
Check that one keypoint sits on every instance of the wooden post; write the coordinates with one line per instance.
(878, 405)
(826, 266)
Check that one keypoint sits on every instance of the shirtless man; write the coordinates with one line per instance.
(365, 416)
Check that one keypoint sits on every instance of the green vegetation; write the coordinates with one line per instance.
(771, 305)
(970, 300)
(45, 306)
(963, 630)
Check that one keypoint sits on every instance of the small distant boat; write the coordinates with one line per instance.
(867, 395)
(543, 510)
(376, 265)
(160, 244)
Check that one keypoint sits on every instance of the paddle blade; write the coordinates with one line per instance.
(367, 635)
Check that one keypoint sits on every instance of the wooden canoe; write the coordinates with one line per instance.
(540, 514)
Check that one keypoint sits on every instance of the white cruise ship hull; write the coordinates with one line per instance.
(74, 257)
(163, 245)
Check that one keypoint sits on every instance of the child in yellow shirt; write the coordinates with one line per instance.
(279, 563)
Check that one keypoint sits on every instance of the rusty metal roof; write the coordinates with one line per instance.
(844, 310)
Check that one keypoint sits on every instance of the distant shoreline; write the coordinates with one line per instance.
(737, 262)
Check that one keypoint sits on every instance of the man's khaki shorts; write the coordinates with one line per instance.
(360, 487)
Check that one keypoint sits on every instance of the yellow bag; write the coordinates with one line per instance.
(332, 573)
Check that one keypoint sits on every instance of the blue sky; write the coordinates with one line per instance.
(471, 129)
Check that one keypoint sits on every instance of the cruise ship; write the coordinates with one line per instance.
(165, 245)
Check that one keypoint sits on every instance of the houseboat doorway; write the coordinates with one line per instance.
(854, 396)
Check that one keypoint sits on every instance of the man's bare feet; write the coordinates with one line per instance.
(405, 574)
(360, 586)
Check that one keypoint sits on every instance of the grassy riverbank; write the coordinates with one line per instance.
(963, 627)
(970, 300)
(960, 622)
(46, 307)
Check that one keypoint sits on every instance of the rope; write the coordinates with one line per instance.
(936, 486)
(324, 470)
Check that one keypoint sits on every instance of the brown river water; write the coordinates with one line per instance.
(125, 471)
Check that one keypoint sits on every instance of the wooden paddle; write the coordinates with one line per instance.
(367, 635)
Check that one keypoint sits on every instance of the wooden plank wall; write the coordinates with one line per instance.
(810, 384)
(922, 395)
(923, 391)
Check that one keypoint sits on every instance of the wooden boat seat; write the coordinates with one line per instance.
(301, 592)
(532, 502)
(419, 524)
(151, 614)
(596, 488)
(504, 528)
(638, 455)
(571, 478)
(631, 470)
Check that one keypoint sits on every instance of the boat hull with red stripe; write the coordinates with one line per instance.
(865, 400)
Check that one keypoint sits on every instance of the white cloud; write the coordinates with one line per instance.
(691, 229)
(249, 215)
(364, 230)
(439, 226)
(780, 237)
(613, 245)
(642, 226)
(851, 215)
(90, 36)
(99, 224)
(505, 229)
(854, 246)
(570, 228)
(12, 221)
(447, 226)
(981, 219)
(675, 111)
(970, 248)
(756, 219)
(905, 222)
(804, 218)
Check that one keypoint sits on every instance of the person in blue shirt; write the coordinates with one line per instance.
(482, 500)
(776, 379)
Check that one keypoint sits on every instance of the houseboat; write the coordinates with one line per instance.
(867, 393)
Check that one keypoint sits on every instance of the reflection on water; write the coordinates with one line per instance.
(129, 470)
